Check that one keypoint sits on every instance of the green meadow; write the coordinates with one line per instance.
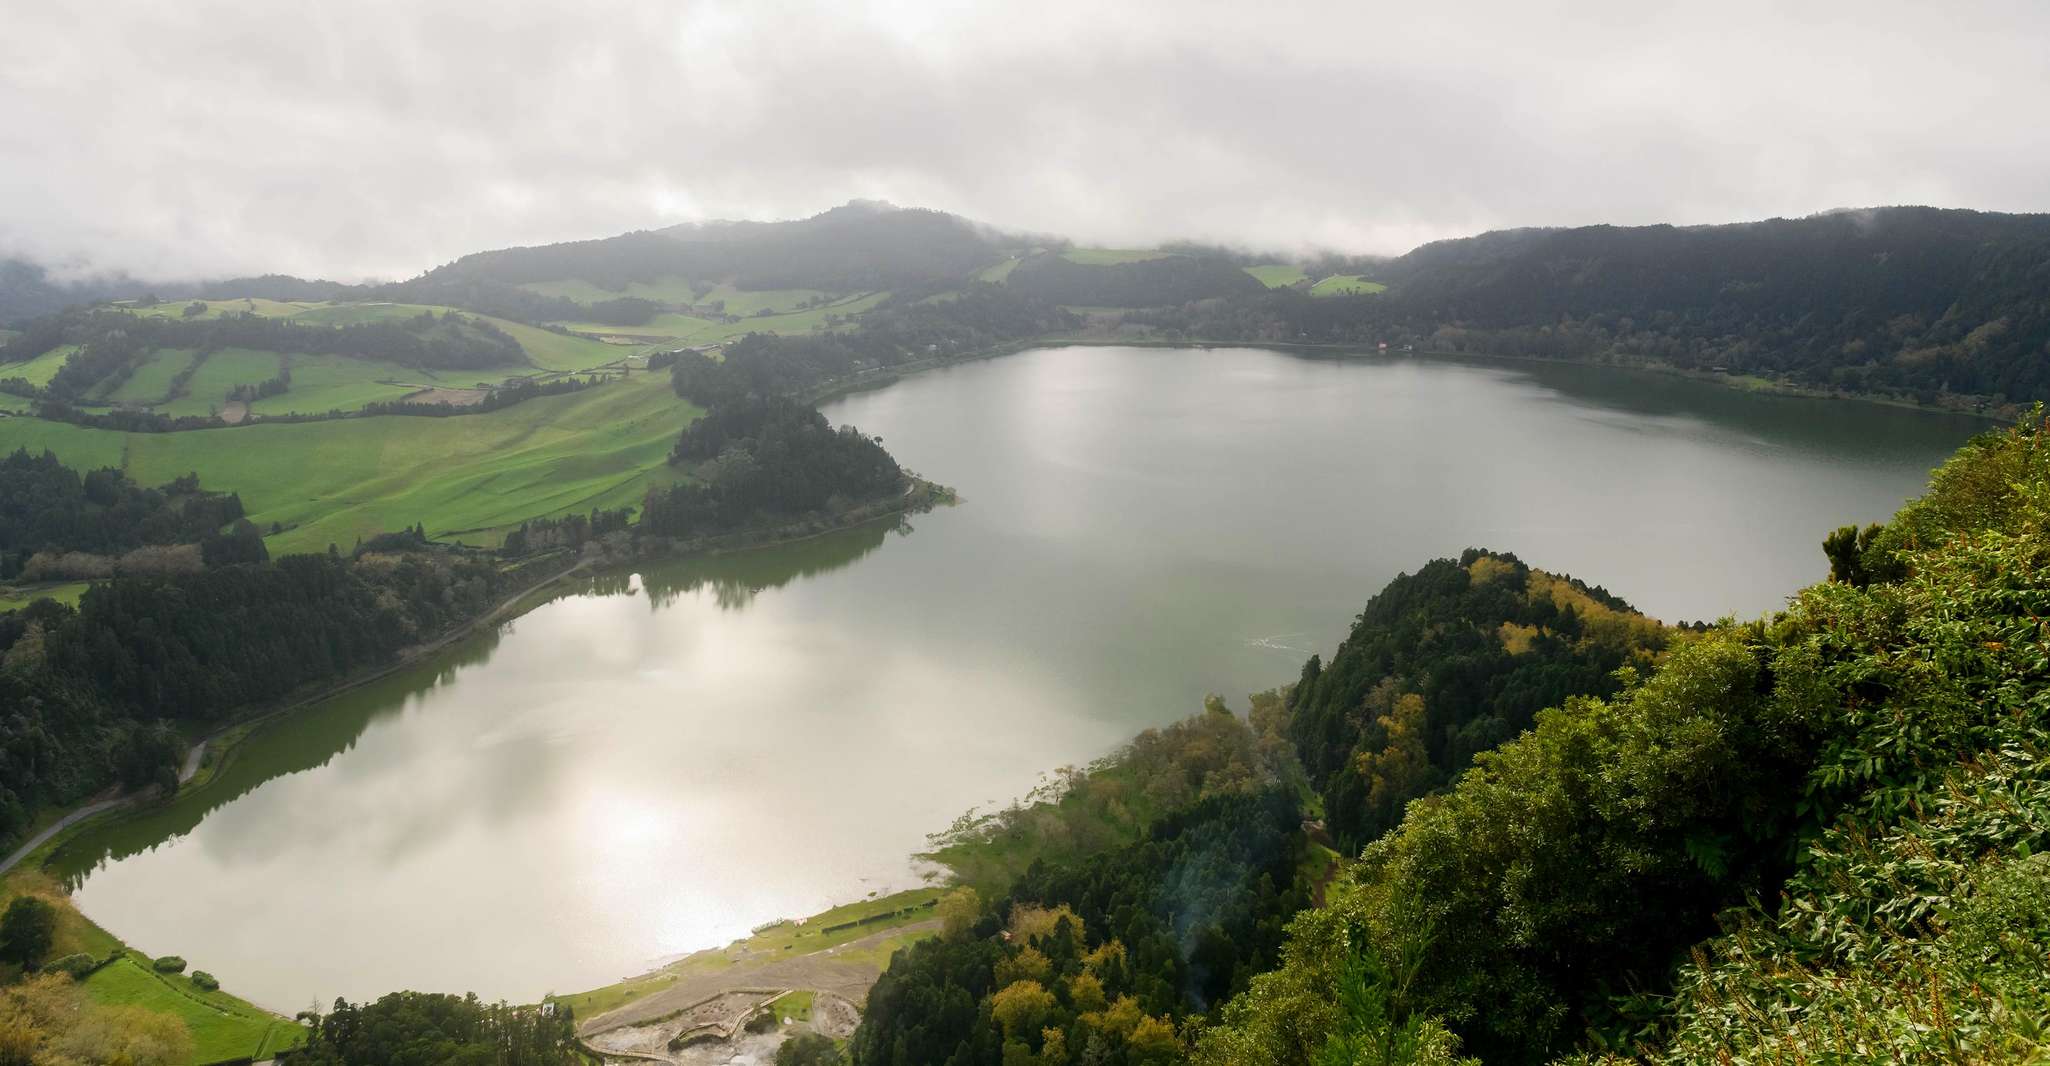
(223, 1028)
(220, 308)
(14, 598)
(42, 368)
(151, 381)
(207, 390)
(1277, 275)
(470, 477)
(681, 292)
(1346, 285)
(685, 329)
(999, 272)
(322, 383)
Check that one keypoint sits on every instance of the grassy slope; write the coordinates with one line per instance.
(208, 389)
(14, 598)
(1277, 275)
(689, 329)
(1346, 285)
(1111, 256)
(42, 368)
(476, 475)
(222, 1027)
(322, 383)
(1000, 271)
(151, 381)
(682, 292)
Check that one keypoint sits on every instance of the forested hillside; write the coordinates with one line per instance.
(857, 246)
(1909, 301)
(1811, 837)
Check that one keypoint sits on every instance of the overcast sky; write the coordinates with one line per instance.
(376, 138)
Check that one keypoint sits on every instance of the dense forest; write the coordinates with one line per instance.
(1444, 664)
(1910, 301)
(423, 1029)
(760, 460)
(48, 512)
(1813, 837)
(1168, 280)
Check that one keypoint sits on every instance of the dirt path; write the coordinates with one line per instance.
(826, 971)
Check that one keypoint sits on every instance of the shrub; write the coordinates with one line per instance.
(169, 964)
(76, 965)
(204, 981)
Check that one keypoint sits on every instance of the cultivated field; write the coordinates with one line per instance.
(1346, 285)
(1277, 275)
(470, 477)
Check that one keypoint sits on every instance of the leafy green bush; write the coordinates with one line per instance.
(205, 981)
(76, 965)
(168, 964)
(1818, 837)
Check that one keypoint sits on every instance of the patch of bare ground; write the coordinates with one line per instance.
(843, 976)
(451, 397)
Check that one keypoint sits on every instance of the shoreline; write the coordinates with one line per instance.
(198, 772)
(868, 381)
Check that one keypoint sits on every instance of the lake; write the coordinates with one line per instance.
(652, 763)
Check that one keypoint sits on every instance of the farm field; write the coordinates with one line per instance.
(1111, 256)
(223, 1028)
(683, 292)
(1346, 285)
(1277, 275)
(689, 329)
(220, 308)
(42, 368)
(322, 383)
(471, 478)
(151, 381)
(207, 391)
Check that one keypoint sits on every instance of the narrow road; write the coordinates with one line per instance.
(61, 825)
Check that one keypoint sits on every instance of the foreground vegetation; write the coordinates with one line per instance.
(1812, 837)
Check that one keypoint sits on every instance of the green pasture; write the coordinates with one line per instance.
(467, 477)
(322, 383)
(220, 308)
(223, 1028)
(1346, 285)
(684, 329)
(151, 382)
(42, 368)
(998, 272)
(1277, 275)
(13, 598)
(207, 391)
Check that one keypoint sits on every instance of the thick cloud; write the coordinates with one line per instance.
(383, 136)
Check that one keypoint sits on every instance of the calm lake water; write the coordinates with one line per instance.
(655, 762)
